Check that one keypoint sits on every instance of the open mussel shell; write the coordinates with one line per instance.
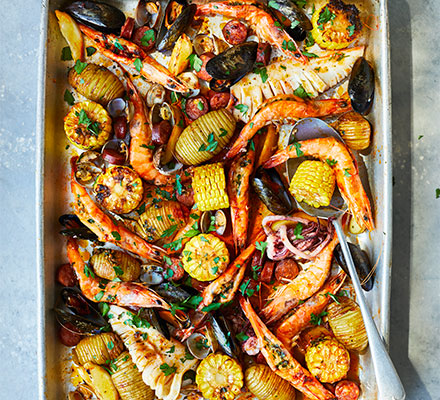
(177, 318)
(233, 63)
(300, 23)
(210, 221)
(361, 86)
(182, 22)
(152, 275)
(152, 316)
(73, 308)
(147, 12)
(100, 16)
(171, 293)
(198, 346)
(222, 332)
(270, 189)
(361, 263)
(75, 228)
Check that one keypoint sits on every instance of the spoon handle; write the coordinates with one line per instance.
(388, 382)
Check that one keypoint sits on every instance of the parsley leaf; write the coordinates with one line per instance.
(261, 246)
(331, 162)
(298, 230)
(326, 16)
(90, 51)
(66, 54)
(138, 64)
(178, 185)
(346, 172)
(263, 73)
(167, 370)
(148, 38)
(351, 30)
(242, 337)
(170, 231)
(242, 108)
(116, 235)
(437, 193)
(317, 319)
(301, 92)
(68, 98)
(79, 66)
(273, 4)
(195, 62)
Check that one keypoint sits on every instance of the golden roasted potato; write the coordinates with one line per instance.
(179, 60)
(100, 381)
(71, 32)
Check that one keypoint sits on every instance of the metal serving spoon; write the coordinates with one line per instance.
(389, 384)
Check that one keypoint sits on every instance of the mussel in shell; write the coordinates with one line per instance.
(75, 228)
(269, 187)
(171, 293)
(361, 262)
(299, 22)
(234, 63)
(73, 308)
(182, 22)
(100, 16)
(221, 330)
(361, 86)
(152, 316)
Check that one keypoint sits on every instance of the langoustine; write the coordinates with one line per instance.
(344, 167)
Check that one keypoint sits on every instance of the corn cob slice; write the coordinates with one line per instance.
(210, 187)
(97, 349)
(205, 257)
(161, 220)
(110, 264)
(219, 377)
(88, 125)
(313, 183)
(128, 380)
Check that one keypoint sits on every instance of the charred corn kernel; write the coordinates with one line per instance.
(88, 125)
(355, 130)
(96, 83)
(128, 380)
(205, 137)
(265, 384)
(328, 360)
(161, 220)
(313, 183)
(205, 257)
(336, 25)
(110, 264)
(219, 377)
(119, 189)
(98, 348)
(347, 324)
(210, 187)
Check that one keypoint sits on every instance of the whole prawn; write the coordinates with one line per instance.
(259, 18)
(104, 227)
(307, 282)
(300, 319)
(281, 361)
(336, 154)
(127, 53)
(286, 107)
(239, 175)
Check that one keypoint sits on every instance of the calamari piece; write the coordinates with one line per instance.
(162, 362)
(286, 76)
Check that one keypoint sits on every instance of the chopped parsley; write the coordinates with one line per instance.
(324, 17)
(83, 119)
(437, 193)
(261, 246)
(116, 235)
(99, 296)
(351, 30)
(118, 270)
(262, 72)
(68, 98)
(317, 319)
(148, 38)
(79, 66)
(298, 230)
(242, 108)
(301, 92)
(88, 272)
(195, 62)
(273, 4)
(347, 172)
(138, 64)
(223, 131)
(170, 231)
(331, 162)
(167, 370)
(242, 337)
(297, 146)
(90, 51)
(310, 41)
(66, 54)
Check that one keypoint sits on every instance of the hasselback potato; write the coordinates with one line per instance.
(205, 257)
(128, 380)
(355, 130)
(267, 385)
(119, 189)
(110, 264)
(88, 125)
(219, 377)
(161, 220)
(98, 348)
(327, 360)
(96, 83)
(205, 137)
(347, 324)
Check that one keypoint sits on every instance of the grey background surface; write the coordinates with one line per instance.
(415, 301)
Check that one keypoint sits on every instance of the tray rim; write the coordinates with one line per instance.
(382, 321)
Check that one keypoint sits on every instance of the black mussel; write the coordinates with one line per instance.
(73, 308)
(361, 262)
(152, 316)
(223, 333)
(177, 318)
(75, 228)
(170, 36)
(270, 189)
(361, 86)
(100, 16)
(221, 85)
(233, 63)
(171, 293)
(299, 22)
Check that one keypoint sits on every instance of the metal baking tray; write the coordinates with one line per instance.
(53, 194)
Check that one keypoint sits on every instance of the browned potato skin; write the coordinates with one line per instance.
(96, 83)
(100, 380)
(179, 60)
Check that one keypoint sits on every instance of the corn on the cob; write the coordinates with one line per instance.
(210, 187)
(88, 125)
(328, 360)
(219, 377)
(205, 257)
(313, 183)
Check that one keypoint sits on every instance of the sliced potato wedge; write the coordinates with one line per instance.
(71, 32)
(180, 55)
(101, 382)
